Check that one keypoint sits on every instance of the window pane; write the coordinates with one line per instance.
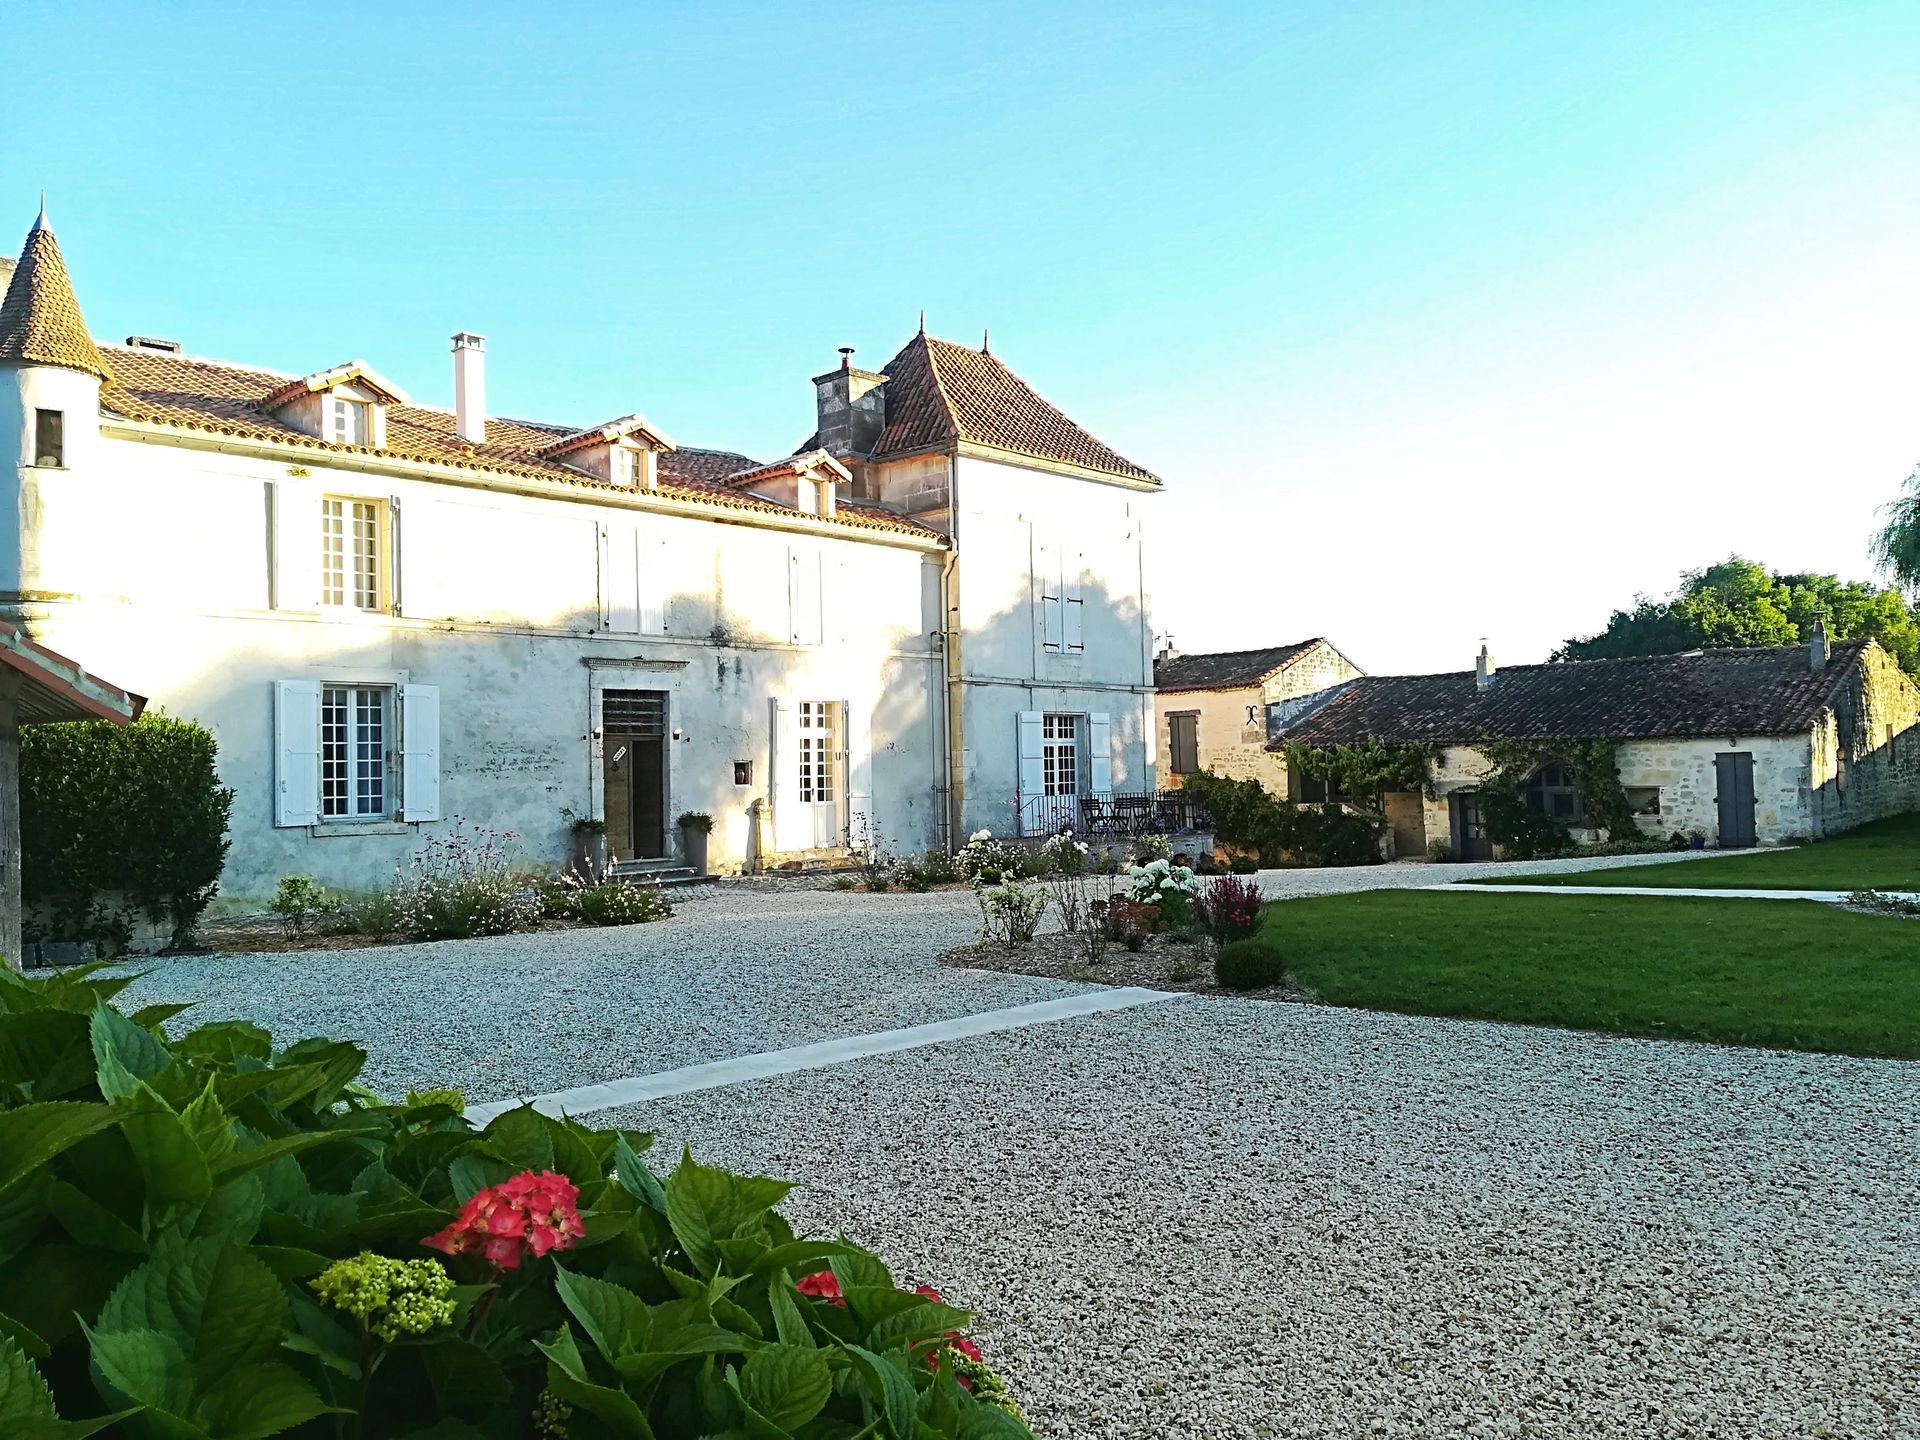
(333, 752)
(370, 752)
(333, 552)
(49, 437)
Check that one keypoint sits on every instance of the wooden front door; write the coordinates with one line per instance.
(1734, 770)
(633, 769)
(1470, 840)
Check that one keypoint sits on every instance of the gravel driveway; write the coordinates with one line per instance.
(1219, 1218)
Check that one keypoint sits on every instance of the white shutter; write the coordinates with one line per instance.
(1046, 583)
(1100, 755)
(296, 750)
(651, 572)
(792, 823)
(296, 546)
(1073, 602)
(392, 557)
(1032, 771)
(803, 595)
(858, 725)
(621, 604)
(420, 752)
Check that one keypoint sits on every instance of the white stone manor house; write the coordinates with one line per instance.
(932, 618)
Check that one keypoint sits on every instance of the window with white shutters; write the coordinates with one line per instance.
(1060, 754)
(352, 546)
(355, 726)
(349, 422)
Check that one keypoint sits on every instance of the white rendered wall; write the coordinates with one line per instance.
(1003, 512)
(164, 559)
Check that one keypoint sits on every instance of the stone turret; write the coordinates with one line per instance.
(50, 378)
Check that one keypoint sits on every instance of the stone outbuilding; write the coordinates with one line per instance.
(1210, 710)
(1761, 746)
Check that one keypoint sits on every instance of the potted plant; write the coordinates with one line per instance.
(1697, 839)
(589, 842)
(695, 827)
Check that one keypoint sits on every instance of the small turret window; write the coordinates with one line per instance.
(50, 438)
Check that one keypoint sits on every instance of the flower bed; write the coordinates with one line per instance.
(1162, 963)
(211, 1237)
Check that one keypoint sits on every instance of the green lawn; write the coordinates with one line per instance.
(1884, 855)
(1793, 974)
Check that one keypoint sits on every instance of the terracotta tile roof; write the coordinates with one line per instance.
(1227, 669)
(40, 321)
(635, 424)
(176, 390)
(54, 688)
(1701, 694)
(939, 393)
(353, 372)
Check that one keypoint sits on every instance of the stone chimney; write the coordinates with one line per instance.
(470, 387)
(1483, 669)
(1166, 651)
(1817, 648)
(852, 408)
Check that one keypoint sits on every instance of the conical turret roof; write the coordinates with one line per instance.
(40, 321)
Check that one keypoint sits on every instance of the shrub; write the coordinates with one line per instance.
(696, 820)
(1251, 964)
(842, 882)
(1130, 922)
(119, 820)
(1064, 855)
(1010, 911)
(1148, 848)
(379, 915)
(985, 858)
(1231, 908)
(913, 877)
(302, 903)
(1440, 852)
(1244, 864)
(465, 883)
(239, 1240)
(621, 902)
(939, 868)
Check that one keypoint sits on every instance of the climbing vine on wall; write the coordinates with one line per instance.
(1523, 834)
(1365, 771)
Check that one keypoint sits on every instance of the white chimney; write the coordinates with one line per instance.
(1817, 649)
(1483, 669)
(470, 387)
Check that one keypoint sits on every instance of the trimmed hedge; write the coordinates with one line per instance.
(118, 821)
(1249, 965)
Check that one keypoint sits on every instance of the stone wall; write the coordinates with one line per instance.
(1232, 724)
(1866, 754)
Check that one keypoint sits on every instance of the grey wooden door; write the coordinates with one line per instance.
(1734, 770)
(1470, 840)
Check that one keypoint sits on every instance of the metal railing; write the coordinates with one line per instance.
(1116, 815)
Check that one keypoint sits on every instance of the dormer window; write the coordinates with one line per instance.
(346, 405)
(349, 421)
(623, 452)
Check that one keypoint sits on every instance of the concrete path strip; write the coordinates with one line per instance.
(1828, 897)
(636, 1089)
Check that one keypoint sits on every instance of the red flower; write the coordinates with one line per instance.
(533, 1212)
(953, 1337)
(822, 1285)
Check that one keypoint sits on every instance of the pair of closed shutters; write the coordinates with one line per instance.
(297, 752)
(1183, 743)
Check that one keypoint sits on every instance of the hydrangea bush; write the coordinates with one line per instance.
(1010, 911)
(988, 859)
(213, 1238)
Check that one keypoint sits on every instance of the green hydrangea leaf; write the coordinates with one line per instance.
(23, 1393)
(31, 1135)
(615, 1319)
(123, 1052)
(787, 1384)
(258, 1400)
(887, 1380)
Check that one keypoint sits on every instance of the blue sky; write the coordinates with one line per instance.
(1441, 321)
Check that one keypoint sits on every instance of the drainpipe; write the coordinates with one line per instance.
(950, 644)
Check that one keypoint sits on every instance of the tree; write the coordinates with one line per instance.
(1738, 603)
(1896, 549)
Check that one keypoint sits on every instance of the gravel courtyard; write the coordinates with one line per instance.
(1223, 1218)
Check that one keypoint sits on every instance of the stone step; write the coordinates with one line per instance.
(658, 872)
